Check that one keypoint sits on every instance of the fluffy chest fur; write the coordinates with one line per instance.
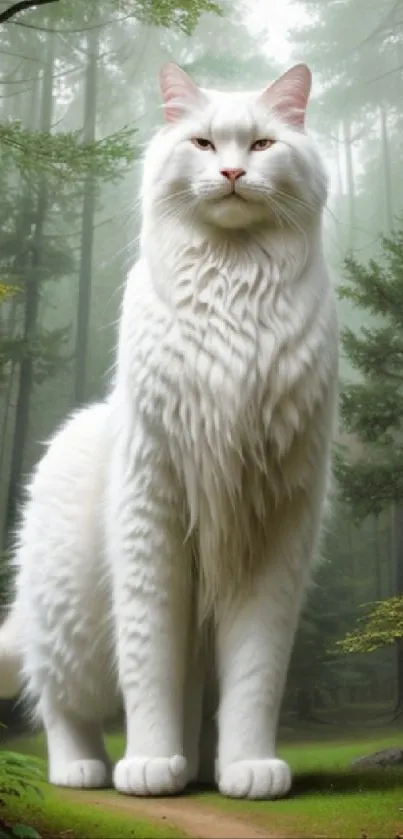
(241, 352)
(229, 374)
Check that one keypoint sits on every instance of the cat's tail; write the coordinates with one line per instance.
(10, 656)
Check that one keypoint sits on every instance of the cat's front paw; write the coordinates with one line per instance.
(151, 776)
(82, 774)
(269, 778)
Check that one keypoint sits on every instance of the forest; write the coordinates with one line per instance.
(79, 99)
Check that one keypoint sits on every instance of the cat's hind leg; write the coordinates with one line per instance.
(62, 613)
(76, 752)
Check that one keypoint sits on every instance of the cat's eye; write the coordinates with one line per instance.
(202, 143)
(262, 145)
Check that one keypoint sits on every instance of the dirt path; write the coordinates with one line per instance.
(199, 821)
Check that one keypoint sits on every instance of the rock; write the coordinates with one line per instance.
(380, 760)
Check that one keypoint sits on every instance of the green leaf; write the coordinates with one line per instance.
(383, 625)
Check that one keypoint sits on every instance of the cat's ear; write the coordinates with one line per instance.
(288, 96)
(179, 92)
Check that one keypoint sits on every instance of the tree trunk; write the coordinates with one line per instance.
(24, 220)
(350, 185)
(32, 296)
(87, 224)
(387, 182)
(339, 160)
(377, 558)
(398, 533)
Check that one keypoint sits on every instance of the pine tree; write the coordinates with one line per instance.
(372, 408)
(371, 479)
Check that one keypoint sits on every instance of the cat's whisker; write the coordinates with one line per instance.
(294, 223)
(185, 196)
(170, 214)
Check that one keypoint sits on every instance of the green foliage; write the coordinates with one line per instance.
(6, 291)
(382, 625)
(47, 350)
(315, 669)
(168, 13)
(321, 682)
(64, 155)
(19, 775)
(377, 287)
(371, 480)
(372, 409)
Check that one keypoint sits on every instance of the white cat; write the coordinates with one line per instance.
(169, 533)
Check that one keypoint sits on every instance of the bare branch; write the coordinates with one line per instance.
(21, 6)
(70, 31)
(381, 25)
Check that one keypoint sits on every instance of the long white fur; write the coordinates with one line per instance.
(169, 533)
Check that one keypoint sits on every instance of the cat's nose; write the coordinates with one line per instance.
(233, 174)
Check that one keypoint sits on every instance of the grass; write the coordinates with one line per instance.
(53, 813)
(328, 800)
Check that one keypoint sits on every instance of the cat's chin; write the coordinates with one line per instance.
(233, 212)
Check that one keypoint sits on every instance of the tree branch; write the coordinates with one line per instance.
(21, 6)
(381, 25)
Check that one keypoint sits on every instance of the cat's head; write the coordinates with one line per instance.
(235, 160)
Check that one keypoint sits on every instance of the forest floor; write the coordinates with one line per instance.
(328, 801)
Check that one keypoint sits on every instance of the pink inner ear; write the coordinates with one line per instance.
(288, 96)
(179, 92)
